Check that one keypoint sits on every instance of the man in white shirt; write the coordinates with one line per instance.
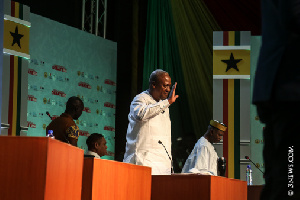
(149, 123)
(96, 145)
(204, 159)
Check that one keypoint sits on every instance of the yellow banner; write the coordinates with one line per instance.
(231, 62)
(16, 37)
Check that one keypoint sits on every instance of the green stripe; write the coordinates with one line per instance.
(20, 11)
(237, 128)
(237, 38)
(18, 128)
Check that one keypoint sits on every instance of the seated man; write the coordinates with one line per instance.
(204, 159)
(96, 145)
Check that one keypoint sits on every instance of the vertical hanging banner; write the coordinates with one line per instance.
(231, 92)
(15, 63)
(1, 56)
(16, 29)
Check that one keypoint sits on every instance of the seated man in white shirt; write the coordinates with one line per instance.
(96, 145)
(204, 159)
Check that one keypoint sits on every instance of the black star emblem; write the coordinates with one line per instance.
(17, 37)
(231, 63)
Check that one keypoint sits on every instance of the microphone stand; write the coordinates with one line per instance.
(247, 157)
(172, 170)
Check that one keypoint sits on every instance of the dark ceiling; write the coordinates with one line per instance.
(69, 12)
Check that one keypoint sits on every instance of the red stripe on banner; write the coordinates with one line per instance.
(225, 121)
(11, 95)
(12, 9)
(19, 97)
(225, 38)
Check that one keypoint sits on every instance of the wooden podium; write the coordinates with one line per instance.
(254, 191)
(39, 168)
(111, 180)
(191, 186)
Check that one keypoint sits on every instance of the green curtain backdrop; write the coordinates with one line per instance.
(194, 26)
(161, 51)
(179, 40)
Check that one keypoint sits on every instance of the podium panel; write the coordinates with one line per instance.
(111, 180)
(39, 168)
(191, 186)
(254, 192)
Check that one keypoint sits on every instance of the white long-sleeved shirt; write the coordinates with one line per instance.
(203, 159)
(149, 122)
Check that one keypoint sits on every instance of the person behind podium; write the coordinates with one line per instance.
(204, 159)
(149, 123)
(96, 145)
(64, 127)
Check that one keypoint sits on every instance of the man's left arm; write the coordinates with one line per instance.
(73, 134)
(172, 96)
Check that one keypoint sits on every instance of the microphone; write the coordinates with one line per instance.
(48, 114)
(172, 170)
(247, 157)
(222, 166)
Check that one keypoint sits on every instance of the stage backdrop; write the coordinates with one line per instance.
(68, 62)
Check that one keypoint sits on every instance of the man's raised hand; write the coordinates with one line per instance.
(172, 97)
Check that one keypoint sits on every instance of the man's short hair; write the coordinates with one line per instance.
(92, 139)
(155, 75)
(71, 103)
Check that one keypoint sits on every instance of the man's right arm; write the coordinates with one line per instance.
(142, 110)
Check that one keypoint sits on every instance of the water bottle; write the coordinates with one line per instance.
(249, 175)
(50, 134)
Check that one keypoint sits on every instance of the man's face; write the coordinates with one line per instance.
(79, 110)
(217, 135)
(162, 87)
(101, 148)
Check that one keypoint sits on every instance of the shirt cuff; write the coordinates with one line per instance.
(164, 104)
